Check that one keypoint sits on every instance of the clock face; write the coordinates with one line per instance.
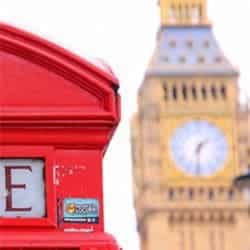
(199, 148)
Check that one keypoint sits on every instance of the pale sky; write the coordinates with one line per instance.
(123, 34)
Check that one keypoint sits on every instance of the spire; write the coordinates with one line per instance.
(183, 12)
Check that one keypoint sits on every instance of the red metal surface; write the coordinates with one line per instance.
(59, 107)
(57, 241)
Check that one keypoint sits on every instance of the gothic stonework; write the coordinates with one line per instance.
(190, 139)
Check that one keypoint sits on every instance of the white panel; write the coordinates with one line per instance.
(22, 185)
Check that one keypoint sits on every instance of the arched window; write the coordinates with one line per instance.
(184, 92)
(210, 194)
(182, 59)
(171, 194)
(194, 93)
(165, 91)
(172, 44)
(191, 194)
(223, 92)
(175, 93)
(218, 59)
(206, 44)
(204, 92)
(230, 194)
(190, 44)
(200, 11)
(201, 59)
(214, 92)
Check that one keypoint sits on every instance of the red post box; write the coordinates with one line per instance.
(57, 115)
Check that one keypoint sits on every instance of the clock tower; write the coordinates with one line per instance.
(189, 139)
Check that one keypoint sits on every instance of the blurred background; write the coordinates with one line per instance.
(187, 146)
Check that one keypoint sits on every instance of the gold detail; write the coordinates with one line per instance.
(183, 12)
(71, 208)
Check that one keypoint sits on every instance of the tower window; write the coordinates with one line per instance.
(190, 44)
(206, 44)
(165, 91)
(194, 93)
(218, 59)
(201, 59)
(230, 195)
(210, 194)
(184, 92)
(171, 194)
(200, 11)
(174, 93)
(191, 194)
(223, 92)
(204, 92)
(214, 92)
(172, 44)
(165, 58)
(182, 59)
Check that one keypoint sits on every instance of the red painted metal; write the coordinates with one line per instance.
(59, 107)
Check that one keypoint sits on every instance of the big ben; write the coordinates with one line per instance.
(190, 139)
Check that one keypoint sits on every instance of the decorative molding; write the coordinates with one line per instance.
(78, 71)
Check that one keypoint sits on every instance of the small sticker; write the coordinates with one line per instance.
(81, 210)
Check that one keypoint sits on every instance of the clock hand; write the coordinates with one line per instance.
(200, 146)
(198, 150)
(198, 167)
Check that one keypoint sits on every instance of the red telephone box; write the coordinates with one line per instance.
(57, 116)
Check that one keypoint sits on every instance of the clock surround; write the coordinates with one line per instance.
(199, 148)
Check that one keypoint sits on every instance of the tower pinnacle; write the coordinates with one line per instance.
(183, 12)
